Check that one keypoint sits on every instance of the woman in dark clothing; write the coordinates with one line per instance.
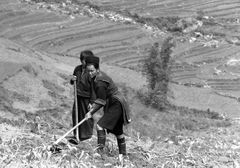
(116, 111)
(84, 98)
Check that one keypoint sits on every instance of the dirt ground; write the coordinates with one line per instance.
(40, 43)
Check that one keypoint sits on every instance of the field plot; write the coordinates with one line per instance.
(181, 8)
(200, 58)
(61, 35)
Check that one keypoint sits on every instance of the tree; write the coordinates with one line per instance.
(156, 68)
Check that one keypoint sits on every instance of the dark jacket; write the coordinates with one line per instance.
(83, 82)
(112, 91)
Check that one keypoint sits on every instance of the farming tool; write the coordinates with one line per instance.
(76, 106)
(55, 148)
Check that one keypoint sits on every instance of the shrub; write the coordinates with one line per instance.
(156, 69)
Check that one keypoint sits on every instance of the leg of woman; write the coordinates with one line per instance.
(101, 135)
(118, 132)
(121, 144)
(86, 128)
(112, 120)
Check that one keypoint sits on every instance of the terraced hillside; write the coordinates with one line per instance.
(205, 72)
(121, 33)
(63, 35)
(40, 42)
(206, 57)
(182, 8)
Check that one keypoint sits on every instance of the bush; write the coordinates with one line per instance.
(156, 68)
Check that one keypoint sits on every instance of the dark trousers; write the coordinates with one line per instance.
(86, 128)
(112, 119)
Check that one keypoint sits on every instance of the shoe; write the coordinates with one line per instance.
(73, 140)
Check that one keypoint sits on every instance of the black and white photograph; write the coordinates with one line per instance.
(119, 83)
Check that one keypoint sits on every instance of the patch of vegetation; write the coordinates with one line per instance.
(167, 23)
(6, 102)
(156, 69)
(175, 151)
(18, 122)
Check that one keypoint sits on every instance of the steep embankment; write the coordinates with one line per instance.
(31, 81)
(40, 45)
(121, 33)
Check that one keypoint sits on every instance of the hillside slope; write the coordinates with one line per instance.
(40, 42)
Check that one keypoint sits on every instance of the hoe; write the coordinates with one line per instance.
(55, 147)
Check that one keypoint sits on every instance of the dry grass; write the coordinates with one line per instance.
(215, 147)
(176, 137)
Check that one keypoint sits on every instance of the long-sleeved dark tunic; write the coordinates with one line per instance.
(116, 111)
(83, 82)
(84, 97)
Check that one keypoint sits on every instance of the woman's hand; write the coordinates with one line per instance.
(73, 79)
(90, 106)
(88, 115)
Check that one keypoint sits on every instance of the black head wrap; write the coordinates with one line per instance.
(93, 60)
(86, 53)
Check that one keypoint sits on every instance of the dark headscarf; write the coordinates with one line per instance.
(86, 53)
(93, 60)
